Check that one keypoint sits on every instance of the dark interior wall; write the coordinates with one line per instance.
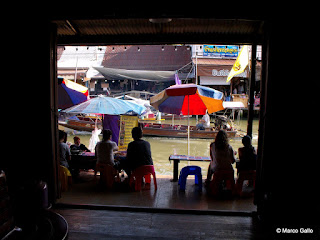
(289, 168)
(29, 111)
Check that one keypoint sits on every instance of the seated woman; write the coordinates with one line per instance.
(222, 155)
(104, 152)
(247, 156)
(105, 148)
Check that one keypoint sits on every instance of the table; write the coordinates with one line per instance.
(177, 158)
(87, 160)
(84, 160)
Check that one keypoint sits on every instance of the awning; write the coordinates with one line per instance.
(210, 66)
(145, 75)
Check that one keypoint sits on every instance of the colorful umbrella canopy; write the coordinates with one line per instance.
(70, 93)
(106, 105)
(188, 99)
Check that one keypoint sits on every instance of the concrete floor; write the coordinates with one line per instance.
(167, 196)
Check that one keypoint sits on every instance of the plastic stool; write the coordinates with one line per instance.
(245, 175)
(218, 177)
(65, 178)
(107, 174)
(139, 173)
(190, 170)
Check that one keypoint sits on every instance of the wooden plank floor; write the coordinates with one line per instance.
(102, 224)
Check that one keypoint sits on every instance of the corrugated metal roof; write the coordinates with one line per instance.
(189, 29)
(147, 57)
(144, 26)
(134, 57)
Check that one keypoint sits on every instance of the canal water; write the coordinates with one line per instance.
(162, 148)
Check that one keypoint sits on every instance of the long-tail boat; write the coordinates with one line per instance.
(82, 123)
(181, 131)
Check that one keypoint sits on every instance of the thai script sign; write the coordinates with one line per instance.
(221, 51)
(126, 125)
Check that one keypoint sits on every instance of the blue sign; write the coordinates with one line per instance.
(221, 51)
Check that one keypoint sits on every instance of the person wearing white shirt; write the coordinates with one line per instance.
(204, 122)
(105, 149)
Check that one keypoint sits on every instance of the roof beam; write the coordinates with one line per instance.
(72, 27)
(159, 39)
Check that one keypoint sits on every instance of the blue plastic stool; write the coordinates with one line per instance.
(190, 170)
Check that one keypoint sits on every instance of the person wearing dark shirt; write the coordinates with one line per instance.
(138, 153)
(64, 151)
(247, 155)
(78, 146)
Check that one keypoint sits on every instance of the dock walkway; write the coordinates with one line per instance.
(167, 196)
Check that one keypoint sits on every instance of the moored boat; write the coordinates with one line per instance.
(181, 131)
(82, 123)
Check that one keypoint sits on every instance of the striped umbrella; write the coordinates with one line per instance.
(188, 99)
(70, 93)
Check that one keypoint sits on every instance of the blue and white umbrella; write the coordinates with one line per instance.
(106, 105)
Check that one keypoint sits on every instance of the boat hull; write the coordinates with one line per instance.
(176, 133)
(157, 130)
(80, 125)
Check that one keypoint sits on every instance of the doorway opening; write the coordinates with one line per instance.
(104, 69)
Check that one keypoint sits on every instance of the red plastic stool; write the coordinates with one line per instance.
(245, 175)
(143, 171)
(218, 177)
(107, 174)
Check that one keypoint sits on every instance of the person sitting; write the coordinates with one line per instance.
(222, 155)
(138, 153)
(104, 149)
(78, 145)
(204, 122)
(247, 155)
(64, 151)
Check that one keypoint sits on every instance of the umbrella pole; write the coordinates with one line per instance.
(188, 131)
(172, 121)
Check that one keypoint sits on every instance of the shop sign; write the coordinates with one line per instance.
(221, 51)
(225, 73)
(126, 125)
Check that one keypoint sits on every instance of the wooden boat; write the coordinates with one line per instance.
(81, 124)
(169, 116)
(181, 131)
